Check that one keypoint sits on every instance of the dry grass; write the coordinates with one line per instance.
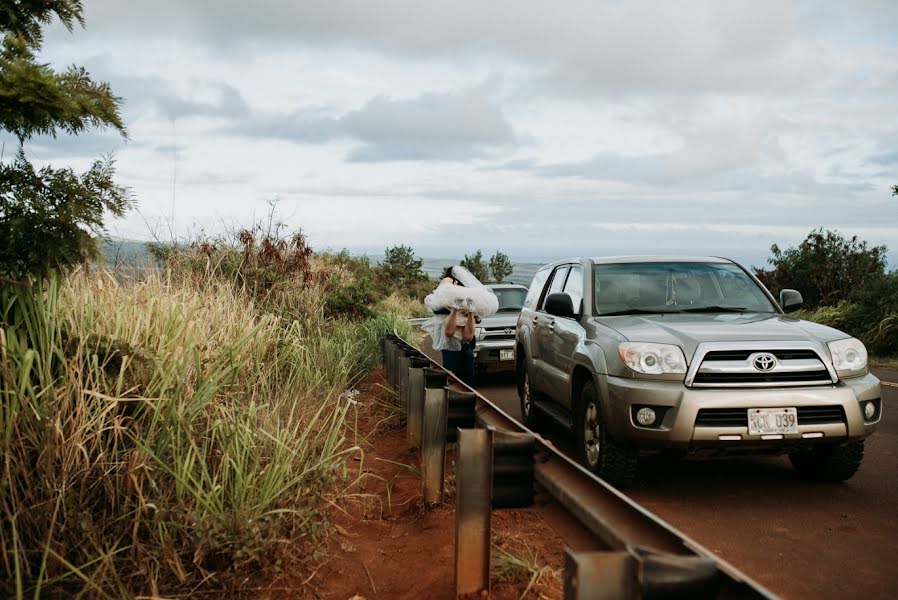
(159, 435)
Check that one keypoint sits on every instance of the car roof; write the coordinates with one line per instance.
(604, 260)
(505, 285)
(649, 258)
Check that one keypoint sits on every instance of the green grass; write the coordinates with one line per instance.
(160, 435)
(520, 567)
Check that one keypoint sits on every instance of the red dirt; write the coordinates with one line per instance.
(384, 544)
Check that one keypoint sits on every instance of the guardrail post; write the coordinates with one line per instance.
(460, 411)
(415, 418)
(514, 454)
(433, 442)
(405, 361)
(638, 573)
(390, 362)
(472, 512)
(600, 576)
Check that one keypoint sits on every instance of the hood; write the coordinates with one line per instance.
(504, 319)
(688, 331)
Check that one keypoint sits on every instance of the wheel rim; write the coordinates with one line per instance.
(527, 400)
(591, 434)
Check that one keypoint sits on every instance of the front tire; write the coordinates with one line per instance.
(527, 397)
(613, 462)
(829, 463)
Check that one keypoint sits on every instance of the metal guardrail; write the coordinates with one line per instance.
(645, 557)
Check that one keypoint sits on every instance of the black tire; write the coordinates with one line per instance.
(613, 462)
(527, 397)
(829, 463)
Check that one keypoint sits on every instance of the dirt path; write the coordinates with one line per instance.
(385, 545)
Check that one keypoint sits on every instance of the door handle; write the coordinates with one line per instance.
(551, 325)
(535, 319)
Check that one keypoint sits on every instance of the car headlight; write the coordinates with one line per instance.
(848, 355)
(652, 359)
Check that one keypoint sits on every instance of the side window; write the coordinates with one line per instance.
(574, 287)
(536, 288)
(556, 285)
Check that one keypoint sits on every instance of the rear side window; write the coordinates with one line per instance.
(574, 287)
(557, 283)
(536, 288)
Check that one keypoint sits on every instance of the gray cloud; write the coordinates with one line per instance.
(580, 45)
(434, 126)
(90, 144)
(884, 159)
(229, 103)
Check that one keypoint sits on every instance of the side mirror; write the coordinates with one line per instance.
(790, 300)
(560, 305)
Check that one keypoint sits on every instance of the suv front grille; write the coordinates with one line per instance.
(738, 417)
(807, 377)
(736, 368)
(744, 354)
(499, 333)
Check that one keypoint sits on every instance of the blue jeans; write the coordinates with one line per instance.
(460, 362)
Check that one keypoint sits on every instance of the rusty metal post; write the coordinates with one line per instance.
(389, 359)
(600, 576)
(405, 360)
(415, 417)
(433, 441)
(474, 482)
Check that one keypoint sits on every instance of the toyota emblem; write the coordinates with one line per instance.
(764, 362)
(509, 331)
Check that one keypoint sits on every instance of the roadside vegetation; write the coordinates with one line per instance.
(165, 434)
(845, 285)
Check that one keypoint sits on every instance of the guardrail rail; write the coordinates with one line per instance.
(500, 462)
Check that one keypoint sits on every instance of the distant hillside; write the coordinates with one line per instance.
(128, 253)
(523, 271)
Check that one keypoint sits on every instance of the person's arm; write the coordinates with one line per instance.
(468, 331)
(450, 326)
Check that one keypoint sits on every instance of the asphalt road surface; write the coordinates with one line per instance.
(800, 539)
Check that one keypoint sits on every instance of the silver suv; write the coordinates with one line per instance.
(640, 354)
(496, 334)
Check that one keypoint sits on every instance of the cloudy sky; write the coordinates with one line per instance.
(541, 129)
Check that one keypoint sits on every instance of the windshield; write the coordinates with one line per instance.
(510, 299)
(630, 288)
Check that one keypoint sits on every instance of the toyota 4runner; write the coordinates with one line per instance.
(640, 354)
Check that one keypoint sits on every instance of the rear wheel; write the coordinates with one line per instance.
(829, 463)
(605, 457)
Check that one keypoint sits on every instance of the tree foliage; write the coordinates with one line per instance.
(826, 267)
(477, 265)
(25, 18)
(49, 217)
(401, 268)
(500, 266)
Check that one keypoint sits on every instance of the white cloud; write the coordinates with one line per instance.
(506, 124)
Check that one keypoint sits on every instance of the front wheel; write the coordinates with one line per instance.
(613, 462)
(527, 397)
(829, 463)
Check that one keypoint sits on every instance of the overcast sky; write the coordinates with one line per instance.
(537, 128)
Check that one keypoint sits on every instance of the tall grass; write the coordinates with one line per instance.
(162, 434)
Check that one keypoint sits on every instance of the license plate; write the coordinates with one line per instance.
(763, 421)
(506, 354)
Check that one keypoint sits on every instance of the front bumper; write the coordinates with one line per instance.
(498, 354)
(681, 404)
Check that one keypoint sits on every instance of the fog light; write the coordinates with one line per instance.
(645, 416)
(869, 410)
